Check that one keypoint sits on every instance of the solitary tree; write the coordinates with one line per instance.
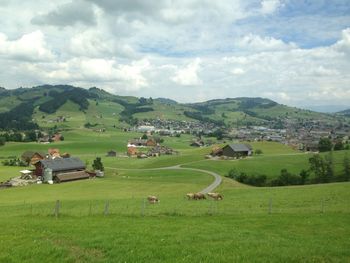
(338, 146)
(304, 175)
(329, 165)
(325, 145)
(318, 167)
(258, 151)
(97, 164)
(2, 141)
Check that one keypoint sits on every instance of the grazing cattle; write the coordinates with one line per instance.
(199, 196)
(216, 196)
(190, 196)
(153, 199)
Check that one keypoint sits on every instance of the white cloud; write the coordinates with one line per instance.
(238, 71)
(270, 6)
(343, 44)
(257, 43)
(188, 76)
(246, 48)
(91, 43)
(67, 14)
(30, 47)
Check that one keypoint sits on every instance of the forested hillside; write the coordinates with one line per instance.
(18, 107)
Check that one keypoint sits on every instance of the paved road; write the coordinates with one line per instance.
(208, 189)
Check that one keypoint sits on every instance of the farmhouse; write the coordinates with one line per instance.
(111, 153)
(197, 143)
(142, 142)
(63, 169)
(31, 157)
(234, 150)
(132, 150)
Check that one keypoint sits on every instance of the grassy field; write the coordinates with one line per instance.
(237, 229)
(108, 220)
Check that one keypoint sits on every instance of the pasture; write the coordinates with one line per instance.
(108, 219)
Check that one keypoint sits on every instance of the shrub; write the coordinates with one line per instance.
(97, 164)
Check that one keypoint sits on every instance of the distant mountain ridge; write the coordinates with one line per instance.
(229, 112)
(344, 112)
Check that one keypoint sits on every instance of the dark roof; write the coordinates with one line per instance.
(29, 154)
(70, 176)
(63, 164)
(240, 147)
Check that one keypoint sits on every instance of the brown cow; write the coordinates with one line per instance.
(190, 196)
(153, 199)
(216, 196)
(199, 196)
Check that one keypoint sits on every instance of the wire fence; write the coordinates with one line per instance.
(140, 207)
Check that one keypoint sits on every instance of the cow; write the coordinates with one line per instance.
(153, 199)
(199, 196)
(216, 196)
(190, 196)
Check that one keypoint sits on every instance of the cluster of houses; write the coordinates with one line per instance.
(58, 119)
(46, 138)
(144, 148)
(150, 147)
(54, 167)
(297, 136)
(174, 127)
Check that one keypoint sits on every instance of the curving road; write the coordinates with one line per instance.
(208, 189)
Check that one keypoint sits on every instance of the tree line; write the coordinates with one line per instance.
(321, 170)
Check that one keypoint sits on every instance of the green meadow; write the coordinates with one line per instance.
(108, 219)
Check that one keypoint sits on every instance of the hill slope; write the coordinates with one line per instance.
(43, 104)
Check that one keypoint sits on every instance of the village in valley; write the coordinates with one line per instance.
(175, 131)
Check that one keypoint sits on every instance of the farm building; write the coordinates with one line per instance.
(111, 153)
(235, 150)
(142, 142)
(63, 169)
(197, 143)
(132, 150)
(31, 157)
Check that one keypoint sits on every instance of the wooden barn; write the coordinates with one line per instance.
(32, 157)
(234, 150)
(111, 153)
(63, 169)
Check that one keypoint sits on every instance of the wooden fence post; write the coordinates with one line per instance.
(106, 212)
(143, 206)
(322, 206)
(57, 208)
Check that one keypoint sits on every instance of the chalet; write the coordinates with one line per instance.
(31, 157)
(44, 139)
(145, 128)
(111, 153)
(63, 169)
(160, 150)
(56, 137)
(142, 142)
(54, 153)
(137, 142)
(235, 150)
(199, 143)
(132, 150)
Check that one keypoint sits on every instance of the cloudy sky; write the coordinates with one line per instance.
(294, 52)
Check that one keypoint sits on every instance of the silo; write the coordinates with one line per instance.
(47, 175)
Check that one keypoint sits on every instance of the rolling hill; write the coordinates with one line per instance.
(41, 105)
